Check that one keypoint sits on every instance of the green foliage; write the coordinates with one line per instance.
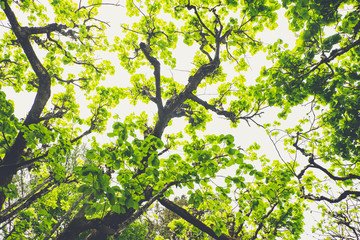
(64, 53)
(9, 124)
(135, 231)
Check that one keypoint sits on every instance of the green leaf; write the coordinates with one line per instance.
(129, 202)
(91, 154)
(232, 3)
(259, 175)
(330, 41)
(111, 197)
(85, 189)
(90, 210)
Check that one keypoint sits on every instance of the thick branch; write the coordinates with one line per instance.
(156, 64)
(103, 227)
(43, 93)
(177, 100)
(13, 156)
(194, 80)
(191, 219)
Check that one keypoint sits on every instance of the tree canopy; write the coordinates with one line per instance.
(63, 54)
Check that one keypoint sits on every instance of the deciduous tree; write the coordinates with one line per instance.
(53, 49)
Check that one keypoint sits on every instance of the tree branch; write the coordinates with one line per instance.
(191, 219)
(13, 168)
(261, 224)
(143, 209)
(145, 91)
(189, 7)
(341, 197)
(313, 164)
(229, 115)
(334, 53)
(156, 64)
(13, 156)
(103, 227)
(44, 90)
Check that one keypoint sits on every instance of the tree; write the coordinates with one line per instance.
(259, 198)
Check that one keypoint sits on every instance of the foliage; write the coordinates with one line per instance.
(135, 231)
(61, 51)
(158, 223)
